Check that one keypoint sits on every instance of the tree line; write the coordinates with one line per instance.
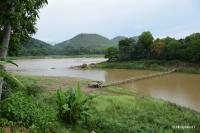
(146, 47)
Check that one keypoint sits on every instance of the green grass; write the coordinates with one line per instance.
(189, 70)
(56, 57)
(132, 114)
(154, 65)
(120, 110)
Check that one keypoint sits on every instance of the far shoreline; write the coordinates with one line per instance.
(55, 57)
(154, 65)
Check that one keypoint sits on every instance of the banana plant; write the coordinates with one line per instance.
(72, 105)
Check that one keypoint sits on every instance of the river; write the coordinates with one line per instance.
(179, 88)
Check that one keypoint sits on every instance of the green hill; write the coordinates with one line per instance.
(35, 47)
(85, 44)
(80, 44)
(135, 38)
(117, 39)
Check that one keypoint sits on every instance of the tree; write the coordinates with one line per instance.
(111, 53)
(125, 48)
(17, 23)
(158, 49)
(172, 48)
(193, 47)
(145, 41)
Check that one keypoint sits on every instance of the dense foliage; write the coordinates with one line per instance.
(8, 77)
(21, 17)
(27, 112)
(17, 23)
(146, 47)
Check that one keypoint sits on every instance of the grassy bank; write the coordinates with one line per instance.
(113, 110)
(150, 65)
(122, 110)
(51, 84)
(118, 110)
(56, 57)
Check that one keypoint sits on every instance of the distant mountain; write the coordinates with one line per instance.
(93, 41)
(117, 39)
(80, 44)
(135, 38)
(85, 44)
(35, 47)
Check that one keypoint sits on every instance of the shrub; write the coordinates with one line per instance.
(30, 88)
(26, 111)
(33, 90)
(12, 81)
(8, 87)
(72, 105)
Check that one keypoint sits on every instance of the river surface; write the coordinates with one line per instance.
(182, 89)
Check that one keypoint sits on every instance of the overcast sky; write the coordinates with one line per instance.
(63, 19)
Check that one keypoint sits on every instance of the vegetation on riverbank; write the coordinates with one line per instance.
(156, 54)
(110, 110)
(156, 65)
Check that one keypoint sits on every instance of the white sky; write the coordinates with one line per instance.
(62, 19)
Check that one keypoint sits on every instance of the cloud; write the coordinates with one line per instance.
(63, 19)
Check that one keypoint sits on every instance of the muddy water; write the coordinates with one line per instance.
(183, 89)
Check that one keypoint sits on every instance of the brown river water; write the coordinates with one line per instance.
(179, 88)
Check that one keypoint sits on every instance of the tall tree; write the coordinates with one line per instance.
(193, 47)
(172, 48)
(111, 53)
(145, 40)
(17, 23)
(125, 48)
(158, 49)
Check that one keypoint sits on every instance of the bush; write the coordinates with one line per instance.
(30, 88)
(72, 105)
(9, 86)
(33, 90)
(26, 111)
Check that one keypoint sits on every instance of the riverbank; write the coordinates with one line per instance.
(52, 83)
(154, 65)
(56, 57)
(122, 110)
(116, 109)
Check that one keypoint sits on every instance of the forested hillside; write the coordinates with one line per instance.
(35, 47)
(117, 39)
(78, 45)
(85, 44)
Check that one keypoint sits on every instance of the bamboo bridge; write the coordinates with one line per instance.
(160, 74)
